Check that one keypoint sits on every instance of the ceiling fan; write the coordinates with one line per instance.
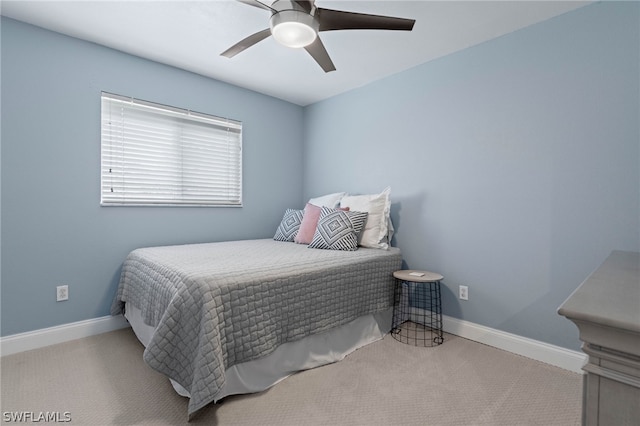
(297, 23)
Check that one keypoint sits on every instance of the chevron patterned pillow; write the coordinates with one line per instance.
(289, 226)
(338, 230)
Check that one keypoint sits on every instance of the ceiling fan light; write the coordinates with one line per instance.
(293, 34)
(293, 28)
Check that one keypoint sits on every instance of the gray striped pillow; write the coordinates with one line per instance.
(338, 230)
(289, 226)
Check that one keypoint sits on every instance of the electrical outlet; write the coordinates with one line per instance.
(62, 293)
(463, 292)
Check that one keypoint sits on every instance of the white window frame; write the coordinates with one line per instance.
(158, 155)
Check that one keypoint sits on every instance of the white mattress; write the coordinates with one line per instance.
(309, 352)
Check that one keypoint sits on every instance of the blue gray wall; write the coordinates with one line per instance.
(514, 165)
(53, 230)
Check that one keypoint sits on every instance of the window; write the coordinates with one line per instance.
(156, 155)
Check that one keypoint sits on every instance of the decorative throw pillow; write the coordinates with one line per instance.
(338, 230)
(376, 233)
(309, 223)
(289, 226)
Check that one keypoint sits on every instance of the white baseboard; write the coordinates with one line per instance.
(540, 351)
(50, 336)
(534, 349)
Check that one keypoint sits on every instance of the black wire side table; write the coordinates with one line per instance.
(417, 308)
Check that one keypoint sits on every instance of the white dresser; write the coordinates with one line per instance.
(606, 309)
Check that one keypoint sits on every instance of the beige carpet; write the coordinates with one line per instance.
(102, 380)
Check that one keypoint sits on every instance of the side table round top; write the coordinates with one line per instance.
(417, 276)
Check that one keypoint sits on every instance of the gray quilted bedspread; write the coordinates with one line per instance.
(219, 304)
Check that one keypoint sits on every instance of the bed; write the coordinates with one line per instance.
(236, 317)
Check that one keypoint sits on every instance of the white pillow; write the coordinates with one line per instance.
(329, 200)
(376, 230)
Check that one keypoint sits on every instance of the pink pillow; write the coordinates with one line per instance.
(309, 223)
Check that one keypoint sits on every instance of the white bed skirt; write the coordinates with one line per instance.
(309, 352)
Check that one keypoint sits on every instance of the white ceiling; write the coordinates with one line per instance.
(192, 34)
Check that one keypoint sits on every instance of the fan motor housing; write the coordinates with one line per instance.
(281, 5)
(293, 26)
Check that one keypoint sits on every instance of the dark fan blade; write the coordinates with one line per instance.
(307, 5)
(319, 53)
(247, 42)
(339, 20)
(256, 3)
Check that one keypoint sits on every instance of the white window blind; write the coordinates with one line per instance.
(154, 155)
